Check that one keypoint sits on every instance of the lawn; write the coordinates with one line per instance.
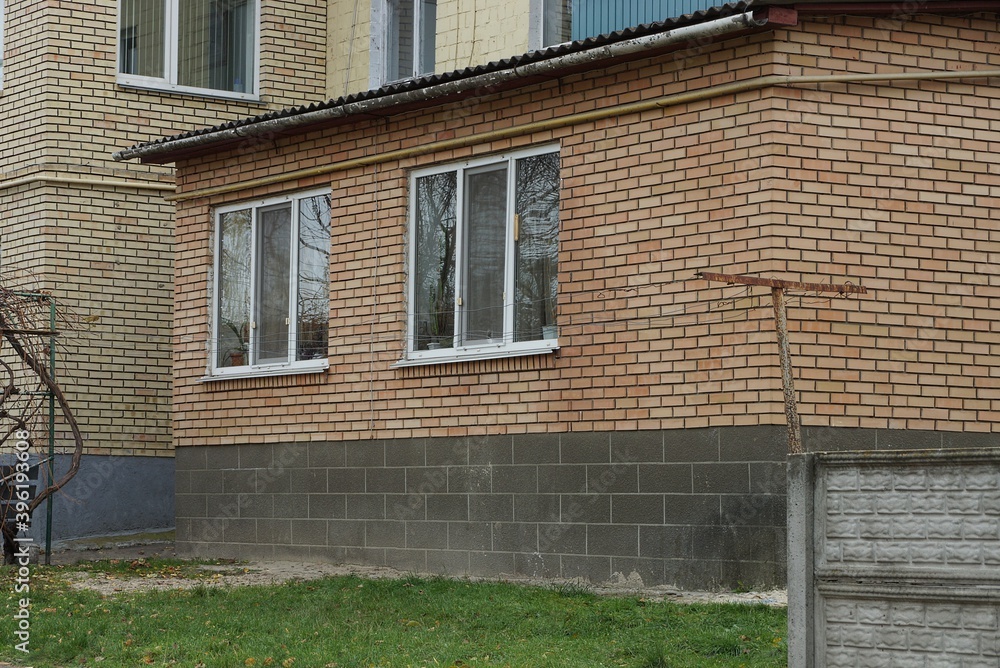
(352, 622)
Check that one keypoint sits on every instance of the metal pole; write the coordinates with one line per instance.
(787, 382)
(52, 431)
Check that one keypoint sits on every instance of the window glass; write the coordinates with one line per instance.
(234, 288)
(536, 239)
(434, 273)
(400, 42)
(428, 36)
(486, 223)
(557, 19)
(214, 41)
(314, 278)
(274, 267)
(140, 41)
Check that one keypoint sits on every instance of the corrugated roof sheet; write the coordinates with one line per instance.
(417, 83)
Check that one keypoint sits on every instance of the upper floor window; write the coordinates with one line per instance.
(403, 39)
(195, 46)
(484, 240)
(272, 286)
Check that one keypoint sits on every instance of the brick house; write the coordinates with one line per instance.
(76, 80)
(456, 324)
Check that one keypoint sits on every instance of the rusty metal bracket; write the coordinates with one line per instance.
(778, 288)
(843, 289)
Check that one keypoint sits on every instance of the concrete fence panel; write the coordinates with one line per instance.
(894, 559)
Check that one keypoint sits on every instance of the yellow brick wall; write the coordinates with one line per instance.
(98, 233)
(471, 33)
(890, 186)
(347, 64)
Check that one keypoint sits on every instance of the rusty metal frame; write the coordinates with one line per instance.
(778, 288)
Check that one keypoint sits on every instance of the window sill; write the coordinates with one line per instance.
(265, 371)
(159, 86)
(475, 353)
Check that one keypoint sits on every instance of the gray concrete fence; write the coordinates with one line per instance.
(894, 559)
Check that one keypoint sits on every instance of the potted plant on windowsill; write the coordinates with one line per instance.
(437, 325)
(237, 354)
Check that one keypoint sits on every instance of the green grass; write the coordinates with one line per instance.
(351, 622)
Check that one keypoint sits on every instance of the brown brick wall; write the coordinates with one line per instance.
(889, 185)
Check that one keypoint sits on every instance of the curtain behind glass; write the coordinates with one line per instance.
(215, 44)
(535, 280)
(274, 239)
(434, 268)
(313, 278)
(233, 334)
(140, 38)
(485, 251)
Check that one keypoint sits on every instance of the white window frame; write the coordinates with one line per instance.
(170, 39)
(292, 366)
(478, 351)
(379, 48)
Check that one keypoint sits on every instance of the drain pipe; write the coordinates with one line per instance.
(638, 45)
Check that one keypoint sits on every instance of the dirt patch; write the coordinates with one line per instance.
(255, 573)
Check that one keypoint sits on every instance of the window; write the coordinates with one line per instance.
(272, 286)
(484, 239)
(194, 46)
(403, 39)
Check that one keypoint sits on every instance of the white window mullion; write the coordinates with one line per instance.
(417, 34)
(460, 288)
(411, 289)
(293, 284)
(252, 352)
(216, 296)
(170, 37)
(509, 255)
